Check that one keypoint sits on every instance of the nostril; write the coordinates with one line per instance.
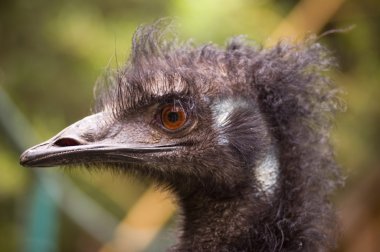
(66, 142)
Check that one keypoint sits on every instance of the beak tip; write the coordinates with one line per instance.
(24, 158)
(28, 158)
(32, 156)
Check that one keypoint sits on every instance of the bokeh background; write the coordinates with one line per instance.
(51, 53)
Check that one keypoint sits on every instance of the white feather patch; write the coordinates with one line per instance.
(221, 111)
(267, 173)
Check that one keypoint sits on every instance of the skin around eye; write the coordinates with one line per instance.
(173, 117)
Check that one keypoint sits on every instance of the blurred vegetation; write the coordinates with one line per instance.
(51, 53)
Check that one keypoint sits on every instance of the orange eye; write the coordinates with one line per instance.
(173, 117)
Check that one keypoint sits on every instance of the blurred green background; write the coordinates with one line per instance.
(51, 53)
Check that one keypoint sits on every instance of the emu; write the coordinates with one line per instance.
(240, 135)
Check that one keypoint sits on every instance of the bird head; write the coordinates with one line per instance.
(186, 116)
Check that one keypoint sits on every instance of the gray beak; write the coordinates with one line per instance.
(90, 141)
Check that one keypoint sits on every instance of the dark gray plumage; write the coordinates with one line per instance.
(240, 135)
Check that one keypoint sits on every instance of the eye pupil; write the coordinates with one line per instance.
(173, 116)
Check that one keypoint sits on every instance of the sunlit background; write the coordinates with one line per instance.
(51, 53)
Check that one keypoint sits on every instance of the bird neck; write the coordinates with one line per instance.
(219, 224)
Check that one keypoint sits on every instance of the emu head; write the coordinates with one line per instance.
(197, 119)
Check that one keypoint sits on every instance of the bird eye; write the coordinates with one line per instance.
(173, 117)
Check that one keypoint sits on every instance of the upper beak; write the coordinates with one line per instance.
(89, 140)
